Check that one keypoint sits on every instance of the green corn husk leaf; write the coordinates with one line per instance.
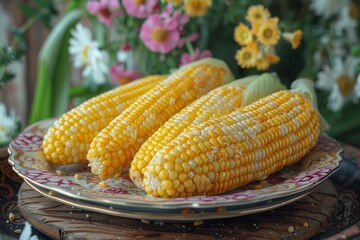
(306, 87)
(243, 81)
(75, 5)
(52, 86)
(260, 87)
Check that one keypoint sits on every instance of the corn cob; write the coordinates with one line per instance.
(225, 153)
(68, 140)
(219, 101)
(115, 146)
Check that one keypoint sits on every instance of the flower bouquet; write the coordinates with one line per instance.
(114, 42)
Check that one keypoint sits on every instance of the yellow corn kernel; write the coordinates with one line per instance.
(140, 120)
(103, 184)
(52, 193)
(68, 140)
(77, 176)
(218, 102)
(11, 217)
(261, 144)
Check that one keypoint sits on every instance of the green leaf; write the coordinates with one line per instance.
(7, 76)
(27, 9)
(43, 3)
(355, 51)
(75, 5)
(260, 87)
(61, 78)
(51, 92)
(306, 88)
(2, 71)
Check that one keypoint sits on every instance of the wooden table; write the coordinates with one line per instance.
(299, 220)
(346, 222)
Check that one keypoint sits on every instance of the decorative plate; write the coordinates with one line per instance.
(28, 161)
(179, 215)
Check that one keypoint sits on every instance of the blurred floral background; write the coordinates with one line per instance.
(62, 52)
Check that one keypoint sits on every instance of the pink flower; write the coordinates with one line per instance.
(159, 35)
(140, 8)
(191, 38)
(119, 74)
(187, 58)
(174, 19)
(106, 10)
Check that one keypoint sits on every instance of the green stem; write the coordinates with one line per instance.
(171, 62)
(189, 47)
(23, 29)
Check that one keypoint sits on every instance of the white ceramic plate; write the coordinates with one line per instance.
(28, 161)
(179, 215)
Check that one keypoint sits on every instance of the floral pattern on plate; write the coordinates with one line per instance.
(28, 161)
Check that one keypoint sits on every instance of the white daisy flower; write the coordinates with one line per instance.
(339, 80)
(327, 8)
(357, 87)
(86, 53)
(346, 25)
(8, 124)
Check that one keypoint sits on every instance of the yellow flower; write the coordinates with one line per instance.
(246, 57)
(253, 45)
(266, 57)
(294, 38)
(256, 25)
(196, 8)
(257, 13)
(269, 32)
(272, 59)
(261, 64)
(174, 2)
(242, 34)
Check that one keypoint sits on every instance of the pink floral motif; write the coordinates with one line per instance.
(140, 9)
(276, 178)
(311, 176)
(114, 190)
(106, 10)
(28, 141)
(91, 178)
(126, 179)
(327, 144)
(48, 179)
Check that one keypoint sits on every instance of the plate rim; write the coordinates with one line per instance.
(169, 216)
(168, 204)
